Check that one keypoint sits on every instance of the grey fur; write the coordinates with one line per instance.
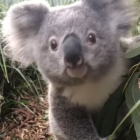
(27, 30)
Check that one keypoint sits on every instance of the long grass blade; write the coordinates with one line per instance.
(4, 64)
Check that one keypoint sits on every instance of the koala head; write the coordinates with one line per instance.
(69, 44)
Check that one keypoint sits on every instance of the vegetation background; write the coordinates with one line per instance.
(22, 96)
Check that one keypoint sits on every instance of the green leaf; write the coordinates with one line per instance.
(108, 115)
(4, 64)
(3, 6)
(133, 51)
(132, 94)
(131, 134)
(132, 110)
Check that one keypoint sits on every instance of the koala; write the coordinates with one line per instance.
(77, 50)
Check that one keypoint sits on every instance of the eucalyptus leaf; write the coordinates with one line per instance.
(132, 94)
(133, 51)
(108, 115)
(131, 134)
(132, 110)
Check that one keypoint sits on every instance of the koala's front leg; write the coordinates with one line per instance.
(69, 122)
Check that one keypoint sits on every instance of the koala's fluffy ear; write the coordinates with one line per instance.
(120, 14)
(20, 28)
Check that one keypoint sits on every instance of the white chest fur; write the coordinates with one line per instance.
(94, 95)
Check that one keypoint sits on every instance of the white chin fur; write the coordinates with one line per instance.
(77, 72)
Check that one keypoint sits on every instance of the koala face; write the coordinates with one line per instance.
(74, 46)
(70, 44)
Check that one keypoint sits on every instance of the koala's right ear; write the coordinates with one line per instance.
(20, 28)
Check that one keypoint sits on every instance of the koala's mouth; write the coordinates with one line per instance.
(78, 72)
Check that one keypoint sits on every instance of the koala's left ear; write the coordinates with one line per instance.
(120, 14)
(20, 28)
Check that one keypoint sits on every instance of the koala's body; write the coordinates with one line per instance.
(77, 50)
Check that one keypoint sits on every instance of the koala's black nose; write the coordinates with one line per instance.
(72, 51)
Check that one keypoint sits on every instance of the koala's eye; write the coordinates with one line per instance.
(53, 44)
(92, 38)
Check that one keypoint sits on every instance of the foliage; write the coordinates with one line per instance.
(14, 83)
